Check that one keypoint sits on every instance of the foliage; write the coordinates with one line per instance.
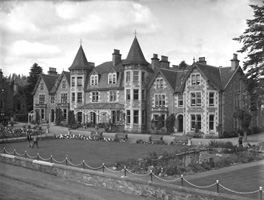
(59, 116)
(37, 116)
(71, 119)
(245, 118)
(253, 42)
(183, 65)
(32, 79)
(170, 121)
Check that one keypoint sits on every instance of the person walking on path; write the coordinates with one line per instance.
(35, 141)
(29, 139)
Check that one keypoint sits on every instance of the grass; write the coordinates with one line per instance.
(93, 152)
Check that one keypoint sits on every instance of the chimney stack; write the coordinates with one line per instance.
(202, 60)
(234, 62)
(116, 57)
(52, 71)
(155, 62)
(164, 63)
(1, 77)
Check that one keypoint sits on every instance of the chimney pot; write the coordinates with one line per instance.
(202, 60)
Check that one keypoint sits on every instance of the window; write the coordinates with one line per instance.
(41, 99)
(128, 76)
(41, 86)
(143, 77)
(63, 84)
(159, 120)
(112, 78)
(73, 82)
(244, 101)
(196, 121)
(112, 95)
(63, 97)
(42, 114)
(95, 96)
(64, 114)
(128, 94)
(79, 97)
(128, 116)
(211, 98)
(159, 83)
(73, 97)
(196, 99)
(160, 100)
(135, 116)
(196, 79)
(135, 94)
(180, 100)
(52, 99)
(94, 80)
(211, 122)
(135, 76)
(79, 81)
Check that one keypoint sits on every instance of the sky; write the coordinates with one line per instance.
(49, 32)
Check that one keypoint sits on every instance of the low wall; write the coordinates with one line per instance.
(114, 182)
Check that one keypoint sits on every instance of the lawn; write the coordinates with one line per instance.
(93, 152)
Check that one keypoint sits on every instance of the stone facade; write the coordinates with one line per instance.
(137, 95)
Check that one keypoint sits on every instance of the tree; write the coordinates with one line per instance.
(244, 118)
(253, 44)
(71, 119)
(170, 121)
(59, 116)
(32, 80)
(183, 65)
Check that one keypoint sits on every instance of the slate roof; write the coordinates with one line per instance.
(211, 73)
(49, 80)
(135, 55)
(56, 85)
(102, 106)
(80, 61)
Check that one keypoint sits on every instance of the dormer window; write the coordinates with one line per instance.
(94, 80)
(159, 83)
(196, 79)
(112, 78)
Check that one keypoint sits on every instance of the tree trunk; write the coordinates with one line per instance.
(245, 136)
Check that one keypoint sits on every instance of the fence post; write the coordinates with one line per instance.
(14, 152)
(4, 150)
(182, 180)
(124, 170)
(37, 156)
(25, 154)
(50, 158)
(103, 167)
(66, 161)
(151, 176)
(217, 186)
(260, 193)
(83, 164)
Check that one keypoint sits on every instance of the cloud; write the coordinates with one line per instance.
(34, 50)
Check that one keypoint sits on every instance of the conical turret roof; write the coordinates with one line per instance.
(135, 55)
(80, 61)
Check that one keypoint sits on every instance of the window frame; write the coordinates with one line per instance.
(136, 117)
(196, 79)
(64, 98)
(73, 81)
(211, 122)
(160, 100)
(95, 96)
(196, 119)
(112, 95)
(135, 76)
(135, 94)
(79, 81)
(79, 97)
(42, 99)
(211, 99)
(196, 99)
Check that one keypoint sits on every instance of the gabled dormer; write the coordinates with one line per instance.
(94, 78)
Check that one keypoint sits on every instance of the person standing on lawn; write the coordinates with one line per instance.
(240, 141)
(35, 141)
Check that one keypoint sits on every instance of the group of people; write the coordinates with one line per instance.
(32, 142)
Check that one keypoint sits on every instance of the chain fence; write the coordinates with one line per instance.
(84, 165)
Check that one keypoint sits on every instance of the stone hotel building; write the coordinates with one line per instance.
(133, 93)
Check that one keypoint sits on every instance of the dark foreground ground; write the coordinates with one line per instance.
(19, 183)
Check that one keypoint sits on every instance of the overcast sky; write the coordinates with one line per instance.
(49, 32)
